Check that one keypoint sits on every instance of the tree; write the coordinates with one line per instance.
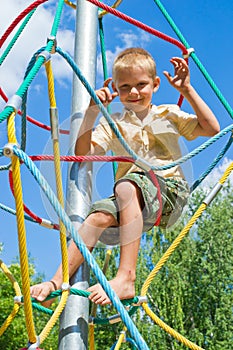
(192, 292)
(15, 336)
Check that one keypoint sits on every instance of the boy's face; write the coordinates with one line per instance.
(135, 88)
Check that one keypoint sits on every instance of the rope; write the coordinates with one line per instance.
(58, 205)
(32, 120)
(195, 58)
(114, 6)
(140, 25)
(105, 71)
(65, 268)
(19, 18)
(18, 294)
(81, 246)
(213, 164)
(16, 36)
(168, 253)
(21, 234)
(39, 62)
(118, 134)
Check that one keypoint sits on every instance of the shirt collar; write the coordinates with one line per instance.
(154, 110)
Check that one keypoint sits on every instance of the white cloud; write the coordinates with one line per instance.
(217, 173)
(31, 39)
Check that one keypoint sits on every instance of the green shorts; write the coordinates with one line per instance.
(174, 197)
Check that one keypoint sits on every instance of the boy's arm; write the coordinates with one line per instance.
(207, 122)
(83, 142)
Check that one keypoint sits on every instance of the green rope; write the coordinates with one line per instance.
(195, 58)
(39, 62)
(83, 293)
(16, 36)
(105, 71)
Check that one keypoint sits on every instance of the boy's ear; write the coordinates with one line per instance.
(156, 83)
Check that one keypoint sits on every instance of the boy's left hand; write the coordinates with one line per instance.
(181, 78)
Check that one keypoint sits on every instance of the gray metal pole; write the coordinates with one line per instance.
(74, 319)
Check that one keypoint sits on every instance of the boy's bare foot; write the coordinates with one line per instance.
(123, 286)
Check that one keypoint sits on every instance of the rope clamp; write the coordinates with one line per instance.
(34, 345)
(8, 150)
(91, 320)
(53, 112)
(18, 299)
(189, 51)
(45, 54)
(65, 286)
(114, 319)
(15, 102)
(124, 333)
(213, 193)
(46, 223)
(141, 299)
(54, 40)
(141, 163)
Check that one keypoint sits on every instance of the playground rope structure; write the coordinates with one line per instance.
(17, 105)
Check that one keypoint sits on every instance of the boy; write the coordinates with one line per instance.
(153, 133)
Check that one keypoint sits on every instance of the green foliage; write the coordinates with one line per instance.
(15, 336)
(192, 292)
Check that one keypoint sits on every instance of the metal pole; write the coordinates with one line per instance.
(74, 319)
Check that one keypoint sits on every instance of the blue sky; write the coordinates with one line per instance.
(206, 25)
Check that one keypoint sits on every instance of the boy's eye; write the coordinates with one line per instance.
(141, 84)
(124, 87)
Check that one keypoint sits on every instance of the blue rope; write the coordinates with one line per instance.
(212, 165)
(117, 132)
(97, 101)
(12, 211)
(127, 340)
(82, 247)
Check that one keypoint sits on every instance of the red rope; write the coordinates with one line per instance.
(140, 25)
(18, 19)
(81, 159)
(26, 209)
(31, 120)
(94, 158)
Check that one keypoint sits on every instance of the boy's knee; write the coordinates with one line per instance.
(100, 219)
(125, 191)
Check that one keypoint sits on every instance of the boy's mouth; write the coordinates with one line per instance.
(133, 101)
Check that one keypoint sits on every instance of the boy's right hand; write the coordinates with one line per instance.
(104, 94)
(41, 291)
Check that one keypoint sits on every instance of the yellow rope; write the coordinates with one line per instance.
(18, 294)
(172, 248)
(63, 243)
(169, 330)
(71, 4)
(102, 13)
(226, 174)
(114, 6)
(120, 339)
(161, 262)
(92, 336)
(21, 233)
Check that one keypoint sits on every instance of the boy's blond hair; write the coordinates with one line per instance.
(134, 57)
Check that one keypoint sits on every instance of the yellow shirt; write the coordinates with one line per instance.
(154, 139)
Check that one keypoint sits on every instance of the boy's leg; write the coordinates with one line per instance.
(130, 201)
(90, 232)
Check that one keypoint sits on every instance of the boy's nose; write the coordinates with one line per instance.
(133, 90)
